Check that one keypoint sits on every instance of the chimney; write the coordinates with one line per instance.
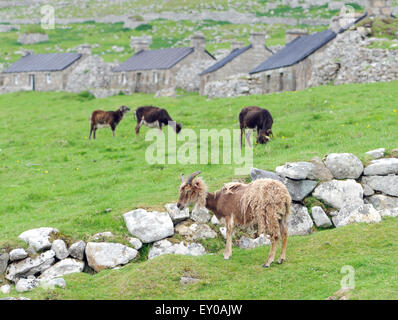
(198, 42)
(379, 8)
(295, 33)
(84, 49)
(257, 40)
(236, 45)
(140, 43)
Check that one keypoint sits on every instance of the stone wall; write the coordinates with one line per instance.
(349, 60)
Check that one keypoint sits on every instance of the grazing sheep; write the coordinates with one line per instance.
(256, 118)
(107, 119)
(154, 117)
(264, 201)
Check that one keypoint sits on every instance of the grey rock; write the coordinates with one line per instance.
(18, 254)
(352, 214)
(215, 221)
(389, 212)
(256, 174)
(338, 193)
(30, 266)
(386, 184)
(166, 247)
(394, 153)
(5, 289)
(344, 165)
(299, 189)
(249, 243)
(202, 231)
(319, 171)
(377, 153)
(320, 217)
(295, 170)
(38, 239)
(223, 231)
(188, 280)
(102, 236)
(200, 215)
(24, 285)
(52, 283)
(367, 191)
(32, 38)
(4, 257)
(62, 268)
(149, 226)
(381, 202)
(59, 247)
(136, 243)
(77, 249)
(176, 214)
(382, 167)
(299, 222)
(105, 255)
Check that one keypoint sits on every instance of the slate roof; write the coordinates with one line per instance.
(301, 47)
(155, 59)
(44, 62)
(296, 51)
(219, 64)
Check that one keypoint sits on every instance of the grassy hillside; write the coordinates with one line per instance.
(52, 175)
(312, 271)
(98, 8)
(165, 33)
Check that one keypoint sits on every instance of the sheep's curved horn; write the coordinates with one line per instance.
(193, 175)
(182, 177)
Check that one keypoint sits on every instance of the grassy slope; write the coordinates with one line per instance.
(311, 272)
(53, 176)
(165, 34)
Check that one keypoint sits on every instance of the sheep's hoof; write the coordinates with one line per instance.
(265, 266)
(280, 261)
(227, 257)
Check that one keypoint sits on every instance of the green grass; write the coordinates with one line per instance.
(312, 271)
(52, 175)
(165, 34)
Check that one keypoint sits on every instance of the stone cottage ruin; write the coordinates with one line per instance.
(152, 70)
(40, 72)
(240, 60)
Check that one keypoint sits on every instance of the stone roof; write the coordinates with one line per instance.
(154, 59)
(296, 51)
(219, 64)
(44, 62)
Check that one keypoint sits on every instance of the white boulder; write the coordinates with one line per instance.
(38, 239)
(299, 222)
(351, 214)
(149, 226)
(63, 268)
(59, 247)
(344, 165)
(104, 255)
(382, 167)
(338, 193)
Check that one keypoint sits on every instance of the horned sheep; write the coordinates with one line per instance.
(264, 201)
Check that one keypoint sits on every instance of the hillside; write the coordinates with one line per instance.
(54, 176)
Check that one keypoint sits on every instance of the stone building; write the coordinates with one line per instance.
(240, 60)
(40, 72)
(291, 68)
(380, 8)
(150, 71)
